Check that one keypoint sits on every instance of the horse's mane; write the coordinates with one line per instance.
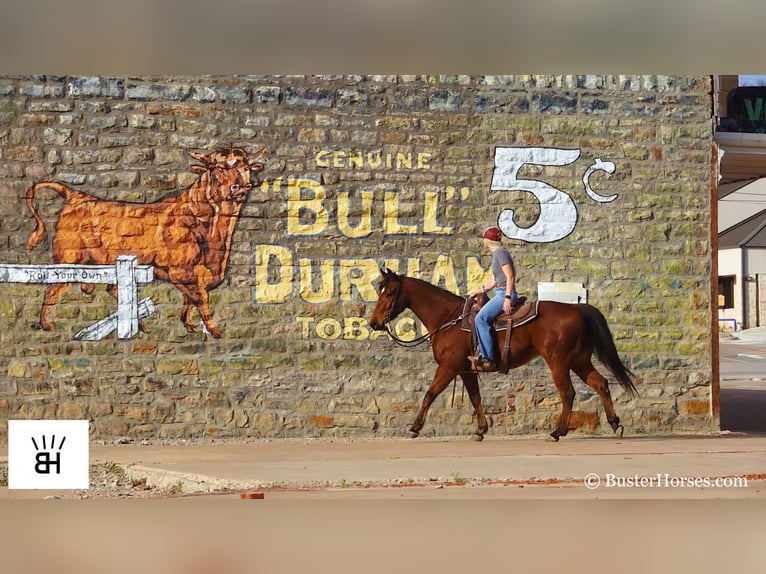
(443, 292)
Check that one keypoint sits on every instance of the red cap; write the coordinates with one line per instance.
(492, 233)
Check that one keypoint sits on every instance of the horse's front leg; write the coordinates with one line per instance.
(471, 382)
(442, 378)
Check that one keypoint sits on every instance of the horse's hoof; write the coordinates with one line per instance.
(551, 438)
(477, 437)
(412, 434)
(620, 429)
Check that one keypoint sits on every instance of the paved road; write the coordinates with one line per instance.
(742, 360)
(743, 382)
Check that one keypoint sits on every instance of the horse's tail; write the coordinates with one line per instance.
(39, 232)
(606, 351)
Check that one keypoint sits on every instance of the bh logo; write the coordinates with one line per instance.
(44, 462)
(48, 454)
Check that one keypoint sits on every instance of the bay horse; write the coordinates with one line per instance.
(565, 335)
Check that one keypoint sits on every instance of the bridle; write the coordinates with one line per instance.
(418, 340)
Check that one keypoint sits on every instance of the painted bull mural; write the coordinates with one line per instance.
(186, 236)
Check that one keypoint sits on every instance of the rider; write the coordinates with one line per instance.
(504, 284)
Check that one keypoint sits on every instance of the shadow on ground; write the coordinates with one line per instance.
(743, 410)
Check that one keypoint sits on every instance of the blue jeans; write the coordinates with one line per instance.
(484, 319)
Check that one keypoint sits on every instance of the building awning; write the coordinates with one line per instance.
(742, 157)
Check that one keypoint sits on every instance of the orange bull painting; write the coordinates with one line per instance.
(185, 236)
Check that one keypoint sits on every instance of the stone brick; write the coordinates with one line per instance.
(99, 410)
(161, 182)
(160, 92)
(216, 398)
(73, 411)
(308, 96)
(444, 100)
(322, 421)
(114, 140)
(137, 413)
(312, 135)
(32, 409)
(268, 94)
(120, 179)
(110, 428)
(81, 387)
(142, 431)
(586, 421)
(163, 412)
(408, 98)
(355, 421)
(555, 103)
(141, 121)
(694, 406)
(84, 87)
(25, 153)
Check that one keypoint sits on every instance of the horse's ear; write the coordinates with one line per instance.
(389, 272)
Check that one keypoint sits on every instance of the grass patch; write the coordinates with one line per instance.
(457, 479)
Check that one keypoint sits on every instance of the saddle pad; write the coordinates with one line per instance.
(519, 317)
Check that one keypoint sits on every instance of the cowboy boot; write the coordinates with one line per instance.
(482, 365)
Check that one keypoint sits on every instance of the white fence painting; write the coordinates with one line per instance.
(125, 273)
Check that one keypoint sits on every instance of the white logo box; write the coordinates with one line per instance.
(48, 454)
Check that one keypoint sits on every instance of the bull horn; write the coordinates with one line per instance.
(263, 151)
(199, 156)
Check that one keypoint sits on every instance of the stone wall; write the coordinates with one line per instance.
(363, 171)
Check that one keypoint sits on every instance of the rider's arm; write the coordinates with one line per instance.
(509, 283)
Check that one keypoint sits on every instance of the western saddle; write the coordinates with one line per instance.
(522, 312)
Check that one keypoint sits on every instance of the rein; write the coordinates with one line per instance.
(423, 338)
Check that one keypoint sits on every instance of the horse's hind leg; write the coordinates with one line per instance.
(442, 378)
(471, 382)
(563, 382)
(598, 383)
